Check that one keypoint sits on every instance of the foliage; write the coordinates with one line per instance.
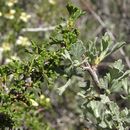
(22, 98)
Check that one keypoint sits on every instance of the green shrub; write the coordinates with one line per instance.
(65, 56)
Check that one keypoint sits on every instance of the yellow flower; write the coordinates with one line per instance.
(7, 61)
(12, 11)
(10, 3)
(10, 15)
(23, 41)
(42, 97)
(0, 13)
(53, 2)
(1, 50)
(34, 103)
(6, 46)
(48, 100)
(15, 58)
(25, 17)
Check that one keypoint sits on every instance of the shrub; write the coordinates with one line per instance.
(65, 56)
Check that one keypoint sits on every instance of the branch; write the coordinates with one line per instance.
(92, 71)
(40, 29)
(98, 18)
(39, 111)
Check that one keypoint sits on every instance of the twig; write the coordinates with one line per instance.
(92, 71)
(39, 111)
(40, 29)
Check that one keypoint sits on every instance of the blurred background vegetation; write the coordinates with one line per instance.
(23, 21)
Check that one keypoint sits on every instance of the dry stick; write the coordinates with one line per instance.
(97, 17)
(38, 29)
(41, 29)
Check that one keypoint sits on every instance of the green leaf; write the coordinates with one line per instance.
(104, 99)
(124, 75)
(115, 111)
(116, 86)
(103, 124)
(116, 47)
(77, 50)
(97, 108)
(121, 127)
(124, 113)
(118, 65)
(105, 46)
(106, 41)
(116, 71)
(125, 85)
(74, 12)
(67, 55)
(115, 74)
